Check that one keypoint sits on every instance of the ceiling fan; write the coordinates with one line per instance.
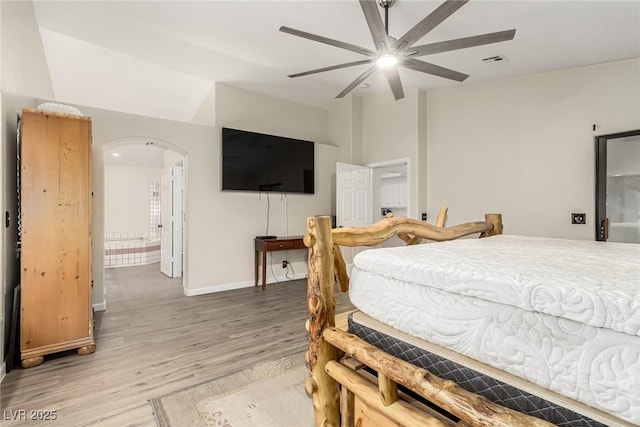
(390, 53)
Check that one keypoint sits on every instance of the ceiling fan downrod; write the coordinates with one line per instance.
(386, 4)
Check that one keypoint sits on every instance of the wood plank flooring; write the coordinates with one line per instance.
(153, 340)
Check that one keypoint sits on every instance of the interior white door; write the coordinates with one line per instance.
(178, 219)
(353, 195)
(166, 232)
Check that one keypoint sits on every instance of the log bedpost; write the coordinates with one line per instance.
(442, 216)
(496, 220)
(321, 306)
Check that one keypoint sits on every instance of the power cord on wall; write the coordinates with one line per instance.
(292, 271)
(283, 197)
(286, 274)
(272, 272)
(268, 214)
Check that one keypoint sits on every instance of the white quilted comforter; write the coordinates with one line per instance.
(562, 314)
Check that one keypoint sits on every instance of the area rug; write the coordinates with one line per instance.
(269, 394)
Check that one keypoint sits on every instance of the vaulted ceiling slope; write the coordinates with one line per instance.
(161, 58)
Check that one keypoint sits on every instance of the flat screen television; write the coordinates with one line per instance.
(257, 162)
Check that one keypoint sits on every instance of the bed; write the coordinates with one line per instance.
(501, 330)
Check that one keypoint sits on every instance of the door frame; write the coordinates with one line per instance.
(395, 162)
(373, 210)
(601, 180)
(98, 237)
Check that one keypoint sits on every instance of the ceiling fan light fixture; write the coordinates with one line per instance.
(386, 60)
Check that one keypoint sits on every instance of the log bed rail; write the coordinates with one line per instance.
(334, 382)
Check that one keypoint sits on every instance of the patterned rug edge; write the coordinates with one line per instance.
(162, 418)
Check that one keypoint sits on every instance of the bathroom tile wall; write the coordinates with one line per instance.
(125, 249)
(130, 248)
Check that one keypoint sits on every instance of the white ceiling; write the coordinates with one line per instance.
(161, 58)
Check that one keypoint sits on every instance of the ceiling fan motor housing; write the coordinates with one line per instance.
(386, 3)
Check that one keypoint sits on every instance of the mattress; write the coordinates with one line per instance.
(564, 315)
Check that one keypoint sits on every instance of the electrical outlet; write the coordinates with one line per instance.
(578, 218)
(424, 216)
(284, 264)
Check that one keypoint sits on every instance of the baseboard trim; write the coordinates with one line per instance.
(100, 306)
(219, 288)
(237, 285)
(3, 371)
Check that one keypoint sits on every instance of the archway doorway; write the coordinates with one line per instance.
(144, 208)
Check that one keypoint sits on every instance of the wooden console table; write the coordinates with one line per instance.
(272, 245)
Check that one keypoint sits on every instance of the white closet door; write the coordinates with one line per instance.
(353, 195)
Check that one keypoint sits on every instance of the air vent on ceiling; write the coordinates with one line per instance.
(497, 58)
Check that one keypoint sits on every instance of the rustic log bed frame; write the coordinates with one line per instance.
(346, 395)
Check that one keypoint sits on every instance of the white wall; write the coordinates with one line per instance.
(24, 68)
(170, 158)
(220, 226)
(421, 202)
(389, 127)
(241, 216)
(391, 130)
(126, 198)
(525, 146)
(345, 128)
(521, 146)
(206, 114)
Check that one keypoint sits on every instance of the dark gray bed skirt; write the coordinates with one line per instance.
(473, 381)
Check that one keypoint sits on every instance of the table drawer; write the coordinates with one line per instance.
(282, 245)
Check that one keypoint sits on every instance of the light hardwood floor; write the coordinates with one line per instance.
(153, 340)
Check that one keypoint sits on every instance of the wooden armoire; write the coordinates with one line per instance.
(55, 259)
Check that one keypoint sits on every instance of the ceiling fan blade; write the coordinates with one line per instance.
(362, 77)
(431, 21)
(393, 77)
(436, 70)
(326, 40)
(333, 67)
(376, 26)
(462, 43)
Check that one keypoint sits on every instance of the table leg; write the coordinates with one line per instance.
(256, 267)
(264, 270)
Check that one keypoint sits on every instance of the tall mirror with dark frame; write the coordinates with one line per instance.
(618, 187)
